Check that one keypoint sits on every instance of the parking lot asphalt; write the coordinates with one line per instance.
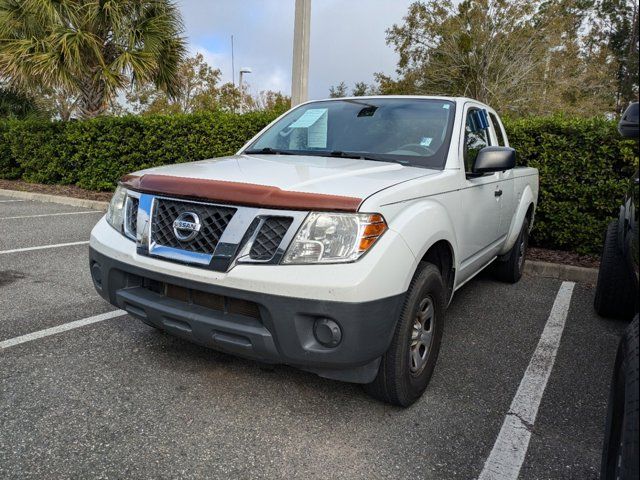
(117, 399)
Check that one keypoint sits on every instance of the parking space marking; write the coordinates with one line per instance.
(42, 247)
(52, 214)
(11, 201)
(511, 446)
(60, 328)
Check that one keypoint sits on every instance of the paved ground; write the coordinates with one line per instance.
(117, 399)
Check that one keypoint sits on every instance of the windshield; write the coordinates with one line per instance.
(410, 131)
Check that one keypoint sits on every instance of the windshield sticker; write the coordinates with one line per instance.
(317, 133)
(315, 121)
(308, 118)
(426, 141)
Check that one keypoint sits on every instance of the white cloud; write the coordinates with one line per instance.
(347, 39)
(216, 60)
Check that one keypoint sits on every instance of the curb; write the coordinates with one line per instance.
(44, 197)
(561, 272)
(531, 267)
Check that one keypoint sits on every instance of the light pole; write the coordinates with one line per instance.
(300, 70)
(243, 70)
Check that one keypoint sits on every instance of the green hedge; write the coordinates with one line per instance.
(583, 163)
(584, 167)
(94, 154)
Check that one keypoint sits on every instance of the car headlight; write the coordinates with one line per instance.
(335, 237)
(115, 213)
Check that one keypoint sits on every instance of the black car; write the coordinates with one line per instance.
(617, 297)
(617, 289)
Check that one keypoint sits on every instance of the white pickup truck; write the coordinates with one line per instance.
(333, 241)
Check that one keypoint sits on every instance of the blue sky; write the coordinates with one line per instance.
(347, 39)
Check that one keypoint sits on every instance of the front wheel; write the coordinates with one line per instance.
(407, 366)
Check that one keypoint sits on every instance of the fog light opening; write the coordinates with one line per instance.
(327, 332)
(96, 274)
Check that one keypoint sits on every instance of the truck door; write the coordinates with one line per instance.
(507, 184)
(480, 198)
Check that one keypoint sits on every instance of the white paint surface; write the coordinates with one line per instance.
(50, 215)
(42, 247)
(65, 327)
(510, 448)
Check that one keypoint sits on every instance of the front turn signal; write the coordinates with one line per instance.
(372, 229)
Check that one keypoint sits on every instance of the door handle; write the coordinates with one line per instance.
(498, 193)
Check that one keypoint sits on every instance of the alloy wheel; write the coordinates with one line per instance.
(421, 336)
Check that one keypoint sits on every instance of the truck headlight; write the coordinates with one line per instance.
(335, 237)
(115, 213)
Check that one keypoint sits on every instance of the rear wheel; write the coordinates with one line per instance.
(509, 268)
(407, 366)
(615, 292)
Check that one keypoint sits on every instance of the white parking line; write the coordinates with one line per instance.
(11, 201)
(511, 446)
(60, 328)
(42, 247)
(51, 215)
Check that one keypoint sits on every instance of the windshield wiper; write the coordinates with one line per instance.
(366, 156)
(341, 154)
(269, 151)
(334, 153)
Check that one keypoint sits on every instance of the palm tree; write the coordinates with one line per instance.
(16, 105)
(90, 48)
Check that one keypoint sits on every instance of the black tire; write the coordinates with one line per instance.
(509, 268)
(616, 289)
(400, 381)
(620, 449)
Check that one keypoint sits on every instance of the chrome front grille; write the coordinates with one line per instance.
(213, 219)
(269, 238)
(209, 235)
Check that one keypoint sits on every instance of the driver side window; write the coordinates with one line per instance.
(476, 136)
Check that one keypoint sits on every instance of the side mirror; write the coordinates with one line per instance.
(494, 159)
(628, 125)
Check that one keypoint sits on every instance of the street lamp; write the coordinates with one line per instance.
(243, 70)
(300, 70)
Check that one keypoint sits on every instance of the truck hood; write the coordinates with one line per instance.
(297, 173)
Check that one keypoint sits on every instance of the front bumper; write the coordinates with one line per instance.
(383, 272)
(265, 327)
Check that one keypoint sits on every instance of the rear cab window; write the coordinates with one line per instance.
(497, 127)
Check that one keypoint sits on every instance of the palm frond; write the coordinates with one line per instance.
(91, 48)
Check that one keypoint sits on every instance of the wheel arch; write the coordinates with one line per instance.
(441, 254)
(429, 232)
(526, 209)
(530, 213)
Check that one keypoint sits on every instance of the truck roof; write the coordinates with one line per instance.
(457, 100)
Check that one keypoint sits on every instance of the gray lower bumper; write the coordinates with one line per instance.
(280, 330)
